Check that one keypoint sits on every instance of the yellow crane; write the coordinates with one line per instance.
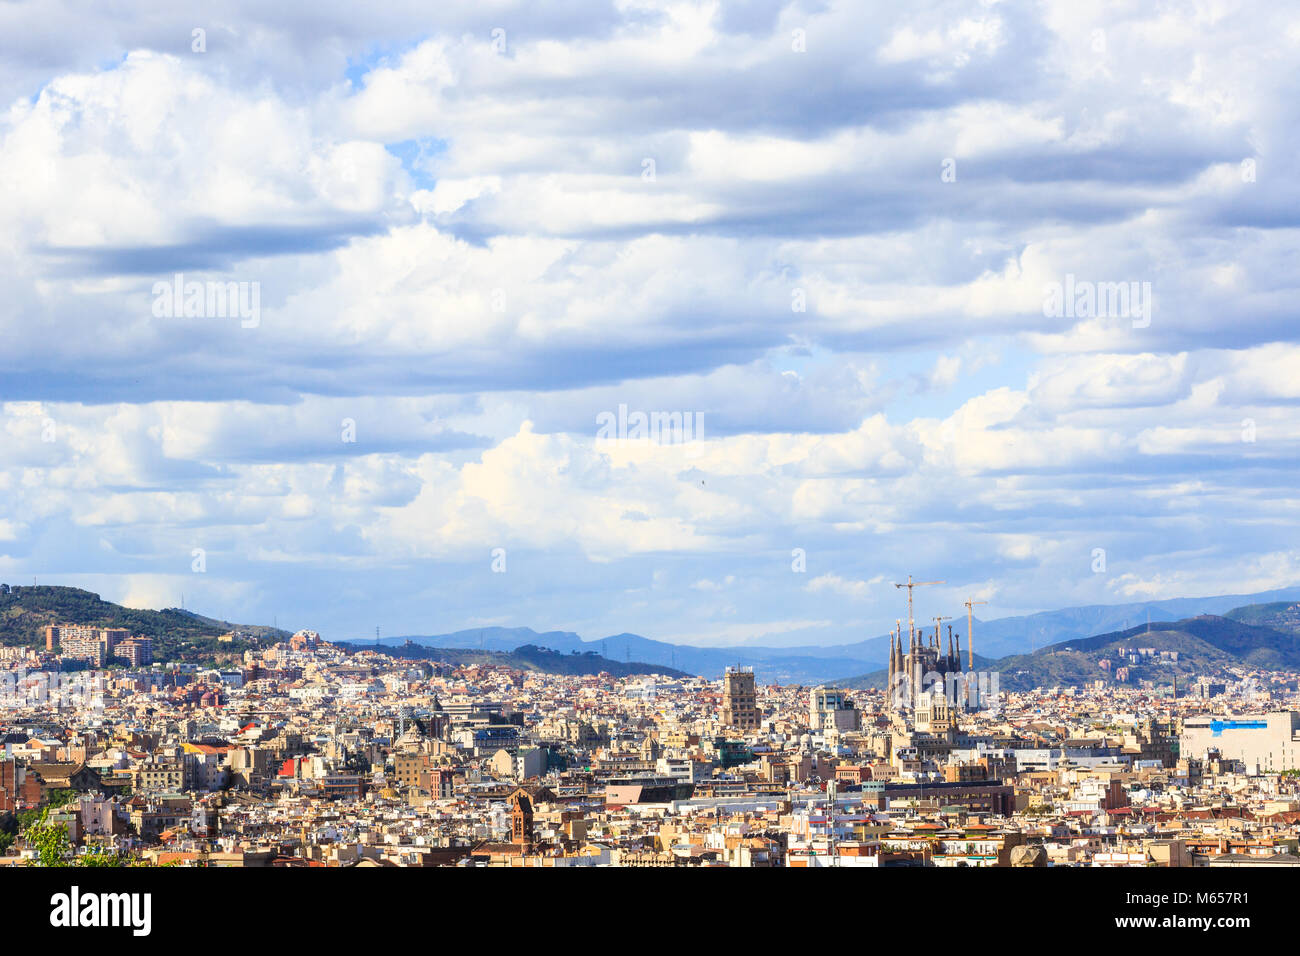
(938, 619)
(970, 637)
(911, 627)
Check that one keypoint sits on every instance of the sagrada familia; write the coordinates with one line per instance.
(924, 666)
(910, 670)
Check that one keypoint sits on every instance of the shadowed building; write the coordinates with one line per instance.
(739, 699)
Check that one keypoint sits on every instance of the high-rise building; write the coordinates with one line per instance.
(136, 651)
(95, 645)
(739, 700)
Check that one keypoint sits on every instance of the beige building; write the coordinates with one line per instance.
(1267, 743)
(739, 699)
(830, 709)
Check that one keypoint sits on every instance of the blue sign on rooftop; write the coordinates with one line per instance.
(1219, 726)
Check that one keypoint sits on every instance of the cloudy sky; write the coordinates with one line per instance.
(829, 229)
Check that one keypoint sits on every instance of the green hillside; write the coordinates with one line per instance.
(1204, 645)
(528, 657)
(1279, 615)
(178, 635)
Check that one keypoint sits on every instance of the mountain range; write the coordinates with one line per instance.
(181, 634)
(526, 657)
(815, 664)
(1203, 645)
(1162, 652)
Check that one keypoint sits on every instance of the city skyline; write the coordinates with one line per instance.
(648, 435)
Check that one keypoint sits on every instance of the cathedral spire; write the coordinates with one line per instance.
(893, 669)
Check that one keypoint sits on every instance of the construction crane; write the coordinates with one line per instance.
(970, 636)
(911, 628)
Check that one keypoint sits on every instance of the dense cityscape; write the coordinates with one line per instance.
(630, 435)
(313, 754)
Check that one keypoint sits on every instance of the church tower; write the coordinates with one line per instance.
(521, 819)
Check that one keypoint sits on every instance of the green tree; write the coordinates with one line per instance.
(49, 840)
(8, 830)
(53, 848)
(61, 797)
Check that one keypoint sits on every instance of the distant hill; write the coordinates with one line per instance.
(772, 665)
(822, 663)
(1002, 636)
(184, 635)
(527, 657)
(263, 632)
(25, 611)
(1205, 645)
(1279, 615)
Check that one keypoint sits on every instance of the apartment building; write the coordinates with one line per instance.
(739, 699)
(95, 645)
